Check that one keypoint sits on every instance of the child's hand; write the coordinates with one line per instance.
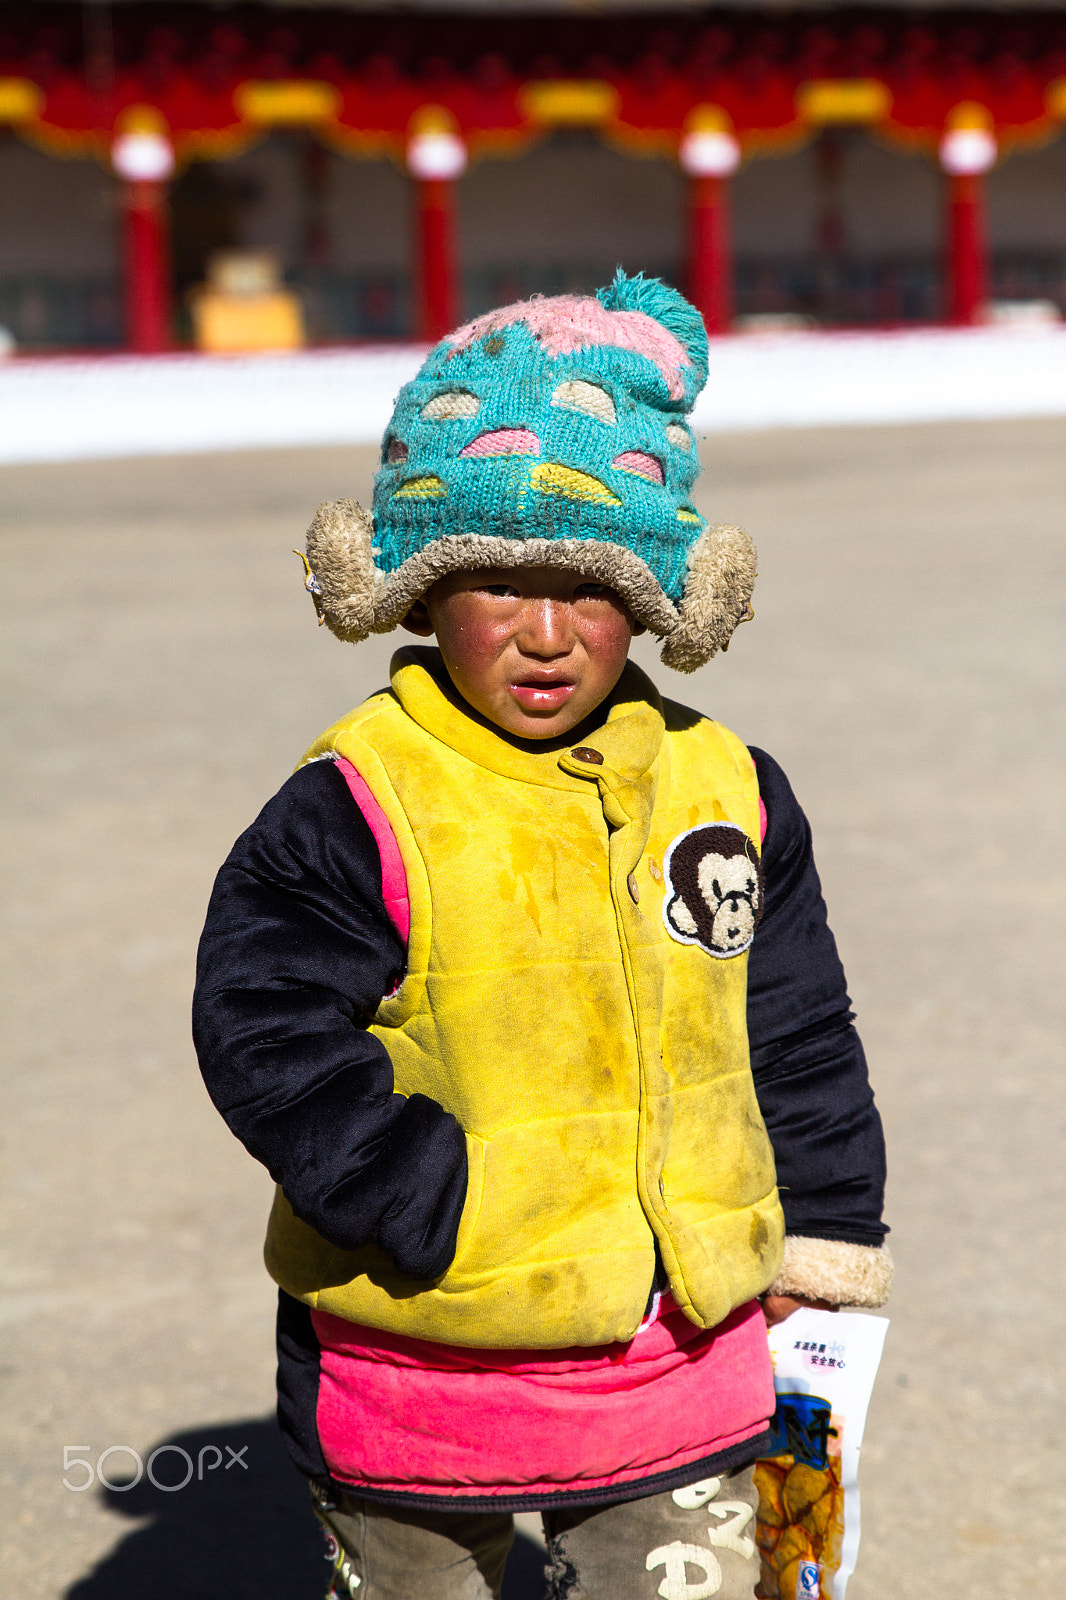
(776, 1307)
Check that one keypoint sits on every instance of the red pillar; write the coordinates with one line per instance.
(437, 297)
(967, 251)
(709, 153)
(436, 157)
(968, 150)
(147, 267)
(143, 157)
(710, 267)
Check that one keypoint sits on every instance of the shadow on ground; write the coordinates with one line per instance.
(229, 1515)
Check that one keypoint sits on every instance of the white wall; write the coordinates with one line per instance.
(367, 207)
(370, 215)
(889, 201)
(566, 200)
(58, 217)
(272, 219)
(571, 199)
(1027, 199)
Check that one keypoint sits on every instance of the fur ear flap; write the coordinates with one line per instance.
(718, 589)
(347, 582)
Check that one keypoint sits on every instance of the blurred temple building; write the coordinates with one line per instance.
(347, 171)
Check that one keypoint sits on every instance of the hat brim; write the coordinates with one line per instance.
(355, 598)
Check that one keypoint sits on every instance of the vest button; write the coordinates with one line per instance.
(634, 889)
(584, 753)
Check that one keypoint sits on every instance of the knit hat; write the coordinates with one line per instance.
(549, 433)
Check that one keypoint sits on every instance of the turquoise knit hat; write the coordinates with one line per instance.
(549, 433)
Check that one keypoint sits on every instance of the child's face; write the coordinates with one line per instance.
(534, 649)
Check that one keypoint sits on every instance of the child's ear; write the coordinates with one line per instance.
(417, 620)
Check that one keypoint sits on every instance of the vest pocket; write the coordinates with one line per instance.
(475, 1192)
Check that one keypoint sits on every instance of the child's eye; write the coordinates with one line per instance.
(592, 591)
(502, 591)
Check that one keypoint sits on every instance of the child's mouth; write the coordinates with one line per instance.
(542, 694)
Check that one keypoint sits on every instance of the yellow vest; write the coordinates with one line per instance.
(596, 1059)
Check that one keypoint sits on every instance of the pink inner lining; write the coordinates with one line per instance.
(504, 442)
(762, 820)
(393, 873)
(406, 1414)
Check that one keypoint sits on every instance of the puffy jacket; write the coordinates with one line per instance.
(304, 1053)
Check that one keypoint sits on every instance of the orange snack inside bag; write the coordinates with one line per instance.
(807, 1526)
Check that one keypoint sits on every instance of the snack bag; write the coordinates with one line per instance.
(807, 1529)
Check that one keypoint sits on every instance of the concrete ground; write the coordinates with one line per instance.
(163, 674)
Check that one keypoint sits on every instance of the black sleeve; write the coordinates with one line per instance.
(295, 957)
(807, 1059)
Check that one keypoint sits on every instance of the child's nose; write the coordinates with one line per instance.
(547, 628)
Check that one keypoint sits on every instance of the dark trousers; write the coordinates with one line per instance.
(682, 1545)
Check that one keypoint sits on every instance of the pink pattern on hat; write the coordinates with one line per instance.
(568, 322)
(504, 442)
(640, 463)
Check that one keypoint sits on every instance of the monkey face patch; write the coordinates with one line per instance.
(713, 889)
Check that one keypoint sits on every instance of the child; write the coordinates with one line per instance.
(521, 985)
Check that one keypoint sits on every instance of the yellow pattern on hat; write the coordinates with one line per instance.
(551, 478)
(421, 489)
